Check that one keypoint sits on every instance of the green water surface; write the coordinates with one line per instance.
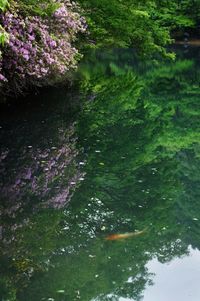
(124, 147)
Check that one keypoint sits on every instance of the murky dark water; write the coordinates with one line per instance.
(129, 160)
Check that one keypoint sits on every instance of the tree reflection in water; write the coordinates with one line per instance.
(139, 133)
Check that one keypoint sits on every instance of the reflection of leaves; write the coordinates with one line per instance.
(148, 143)
(144, 176)
(116, 103)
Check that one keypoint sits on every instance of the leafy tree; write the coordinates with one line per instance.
(145, 25)
(124, 24)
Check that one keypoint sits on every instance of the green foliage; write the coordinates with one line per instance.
(4, 37)
(145, 25)
(123, 24)
(3, 5)
(44, 8)
(173, 14)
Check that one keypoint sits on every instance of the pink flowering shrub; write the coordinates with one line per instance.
(40, 49)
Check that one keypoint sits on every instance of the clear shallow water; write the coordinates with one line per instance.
(129, 162)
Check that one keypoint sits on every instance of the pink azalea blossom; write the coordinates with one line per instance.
(40, 50)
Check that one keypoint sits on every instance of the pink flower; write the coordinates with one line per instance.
(40, 48)
(2, 78)
(26, 57)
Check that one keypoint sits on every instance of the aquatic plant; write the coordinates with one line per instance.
(40, 49)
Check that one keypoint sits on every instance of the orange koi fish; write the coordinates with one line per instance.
(124, 235)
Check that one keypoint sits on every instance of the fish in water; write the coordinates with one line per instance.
(125, 235)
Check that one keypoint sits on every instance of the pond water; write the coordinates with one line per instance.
(123, 145)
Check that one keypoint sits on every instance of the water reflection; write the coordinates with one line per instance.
(139, 134)
(37, 151)
(176, 280)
